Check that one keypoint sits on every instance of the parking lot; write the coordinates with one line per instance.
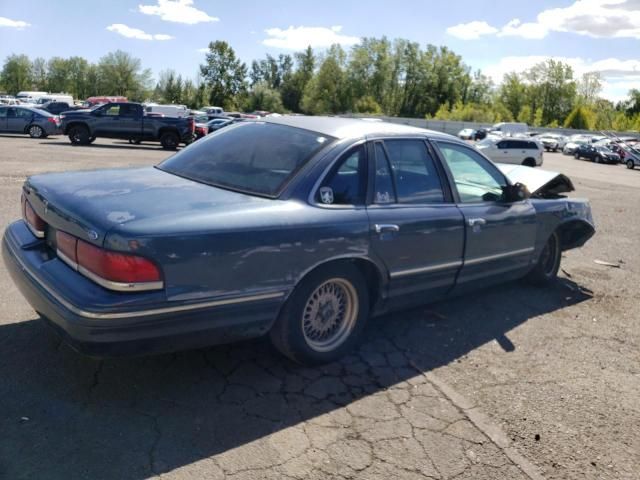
(514, 382)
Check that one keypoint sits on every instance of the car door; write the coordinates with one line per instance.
(503, 152)
(130, 120)
(500, 236)
(416, 231)
(108, 123)
(3, 118)
(18, 119)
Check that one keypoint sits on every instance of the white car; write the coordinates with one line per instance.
(518, 151)
(552, 141)
(467, 134)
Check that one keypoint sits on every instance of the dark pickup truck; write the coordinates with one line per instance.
(126, 121)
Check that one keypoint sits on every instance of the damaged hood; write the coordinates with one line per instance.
(541, 183)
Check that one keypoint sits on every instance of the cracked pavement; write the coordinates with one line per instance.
(510, 383)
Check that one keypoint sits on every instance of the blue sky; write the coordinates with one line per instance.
(496, 36)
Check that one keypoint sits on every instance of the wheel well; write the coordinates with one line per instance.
(26, 129)
(574, 234)
(164, 130)
(529, 162)
(75, 124)
(370, 272)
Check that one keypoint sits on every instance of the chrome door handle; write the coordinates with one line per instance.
(472, 222)
(386, 228)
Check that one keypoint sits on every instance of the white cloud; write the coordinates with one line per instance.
(594, 18)
(203, 50)
(471, 30)
(298, 38)
(19, 24)
(179, 11)
(619, 76)
(130, 32)
(525, 30)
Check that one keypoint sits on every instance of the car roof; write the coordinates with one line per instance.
(339, 127)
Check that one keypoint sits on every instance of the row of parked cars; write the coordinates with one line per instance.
(513, 143)
(112, 117)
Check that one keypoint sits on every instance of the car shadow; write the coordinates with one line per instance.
(114, 145)
(64, 415)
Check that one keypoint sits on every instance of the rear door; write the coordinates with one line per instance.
(500, 236)
(416, 231)
(18, 119)
(130, 120)
(503, 152)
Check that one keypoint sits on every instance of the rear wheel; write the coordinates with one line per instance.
(529, 162)
(577, 155)
(79, 135)
(546, 270)
(169, 140)
(630, 164)
(92, 139)
(598, 159)
(36, 131)
(324, 317)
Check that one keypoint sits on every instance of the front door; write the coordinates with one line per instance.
(415, 229)
(3, 118)
(500, 236)
(109, 123)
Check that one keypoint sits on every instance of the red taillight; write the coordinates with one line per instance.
(192, 124)
(53, 120)
(66, 245)
(114, 267)
(34, 222)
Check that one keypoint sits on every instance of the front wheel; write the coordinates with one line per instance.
(36, 131)
(546, 270)
(324, 317)
(598, 159)
(169, 140)
(630, 164)
(577, 155)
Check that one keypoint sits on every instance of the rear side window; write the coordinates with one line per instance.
(414, 172)
(347, 183)
(23, 113)
(3, 112)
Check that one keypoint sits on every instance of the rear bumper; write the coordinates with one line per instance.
(111, 327)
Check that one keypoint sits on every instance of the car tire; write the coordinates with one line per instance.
(529, 162)
(92, 139)
(577, 156)
(36, 131)
(302, 333)
(630, 164)
(169, 140)
(598, 159)
(555, 150)
(79, 135)
(546, 270)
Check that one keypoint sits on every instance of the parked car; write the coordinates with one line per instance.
(56, 108)
(596, 153)
(552, 142)
(201, 130)
(632, 158)
(510, 128)
(29, 97)
(512, 150)
(213, 110)
(178, 111)
(467, 134)
(93, 101)
(274, 227)
(571, 146)
(20, 119)
(126, 121)
(55, 97)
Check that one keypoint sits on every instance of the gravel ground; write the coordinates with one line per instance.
(510, 383)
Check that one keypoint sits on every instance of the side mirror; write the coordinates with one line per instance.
(515, 193)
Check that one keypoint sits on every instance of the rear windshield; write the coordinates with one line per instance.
(252, 157)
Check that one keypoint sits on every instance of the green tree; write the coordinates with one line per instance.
(224, 74)
(58, 75)
(263, 97)
(39, 73)
(511, 93)
(578, 119)
(589, 88)
(551, 88)
(525, 115)
(367, 104)
(325, 93)
(16, 74)
(120, 73)
(78, 81)
(293, 85)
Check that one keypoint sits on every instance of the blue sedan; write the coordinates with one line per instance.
(32, 121)
(296, 227)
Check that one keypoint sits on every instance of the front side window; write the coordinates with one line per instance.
(112, 111)
(475, 178)
(3, 112)
(414, 172)
(384, 190)
(252, 157)
(347, 183)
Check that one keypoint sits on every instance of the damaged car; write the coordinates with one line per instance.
(299, 228)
